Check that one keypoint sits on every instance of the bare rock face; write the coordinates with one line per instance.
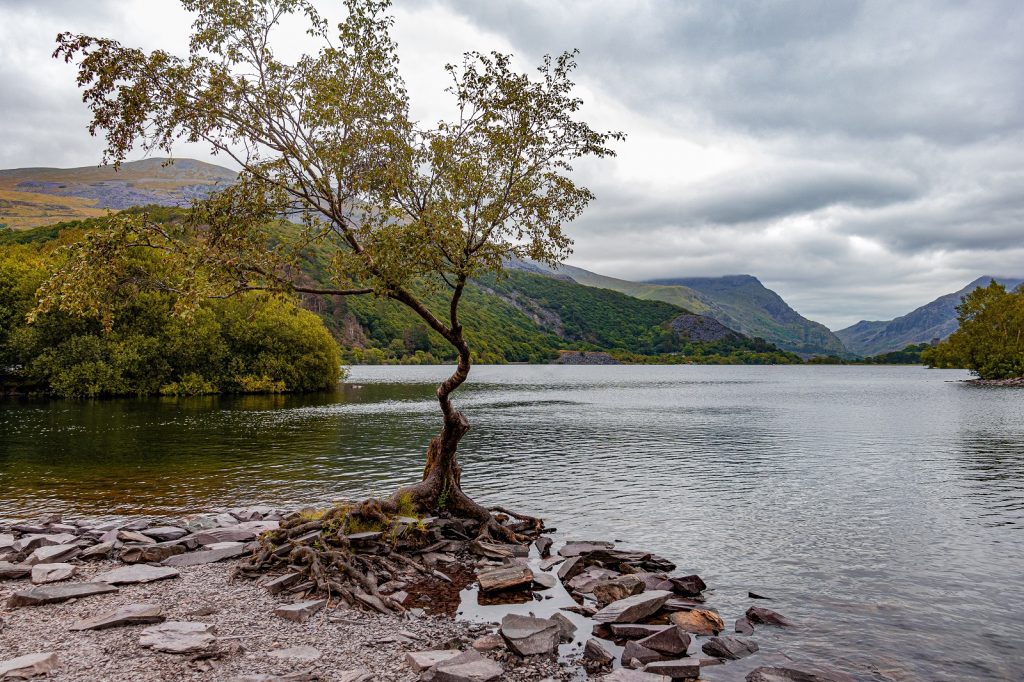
(175, 637)
(632, 609)
(29, 666)
(505, 578)
(52, 573)
(698, 621)
(133, 614)
(139, 573)
(300, 612)
(731, 648)
(528, 636)
(51, 594)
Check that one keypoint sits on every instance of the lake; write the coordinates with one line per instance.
(881, 507)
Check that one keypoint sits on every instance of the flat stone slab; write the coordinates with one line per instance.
(698, 621)
(627, 675)
(305, 654)
(505, 578)
(672, 641)
(762, 616)
(176, 637)
(683, 669)
(528, 636)
(731, 648)
(165, 533)
(133, 614)
(578, 547)
(301, 611)
(283, 582)
(469, 666)
(30, 542)
(51, 594)
(207, 556)
(9, 571)
(634, 608)
(424, 660)
(52, 573)
(636, 630)
(49, 554)
(6, 540)
(31, 665)
(231, 534)
(138, 573)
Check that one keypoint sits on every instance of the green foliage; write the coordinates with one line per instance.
(254, 343)
(990, 340)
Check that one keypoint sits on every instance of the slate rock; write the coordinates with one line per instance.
(51, 594)
(632, 609)
(570, 568)
(544, 581)
(543, 545)
(195, 524)
(634, 651)
(566, 627)
(209, 556)
(698, 621)
(52, 573)
(488, 643)
(505, 578)
(627, 675)
(423, 660)
(166, 533)
(139, 573)
(35, 541)
(608, 591)
(283, 582)
(682, 669)
(744, 627)
(150, 554)
(300, 612)
(100, 551)
(215, 535)
(50, 554)
(672, 641)
(306, 654)
(468, 666)
(6, 541)
(797, 672)
(550, 562)
(756, 614)
(731, 648)
(28, 666)
(133, 614)
(528, 636)
(133, 536)
(595, 651)
(9, 571)
(577, 547)
(176, 637)
(688, 586)
(636, 630)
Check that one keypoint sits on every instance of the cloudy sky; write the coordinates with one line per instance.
(860, 158)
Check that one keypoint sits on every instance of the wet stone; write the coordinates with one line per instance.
(505, 578)
(578, 547)
(634, 651)
(731, 648)
(570, 568)
(566, 627)
(140, 573)
(698, 621)
(301, 611)
(175, 637)
(627, 675)
(595, 651)
(688, 586)
(744, 627)
(51, 594)
(636, 630)
(797, 672)
(756, 614)
(133, 614)
(544, 581)
(632, 609)
(543, 544)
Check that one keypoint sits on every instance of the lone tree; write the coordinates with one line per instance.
(328, 141)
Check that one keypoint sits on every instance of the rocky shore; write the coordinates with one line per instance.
(158, 599)
(1017, 382)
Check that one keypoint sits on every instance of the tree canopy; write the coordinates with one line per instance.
(990, 339)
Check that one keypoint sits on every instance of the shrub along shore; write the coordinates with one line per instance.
(166, 599)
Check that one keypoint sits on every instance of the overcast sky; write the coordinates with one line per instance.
(860, 158)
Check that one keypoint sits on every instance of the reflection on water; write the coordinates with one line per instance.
(882, 507)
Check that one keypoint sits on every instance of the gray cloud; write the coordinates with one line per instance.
(861, 158)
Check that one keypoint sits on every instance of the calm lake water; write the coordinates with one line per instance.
(882, 507)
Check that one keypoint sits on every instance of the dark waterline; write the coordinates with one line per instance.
(883, 507)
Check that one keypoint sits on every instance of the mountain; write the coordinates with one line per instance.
(740, 302)
(31, 197)
(935, 320)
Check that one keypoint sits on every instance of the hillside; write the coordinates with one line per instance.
(31, 197)
(935, 320)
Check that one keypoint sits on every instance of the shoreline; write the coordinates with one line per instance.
(598, 610)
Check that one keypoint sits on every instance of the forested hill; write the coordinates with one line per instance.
(740, 302)
(518, 317)
(934, 320)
